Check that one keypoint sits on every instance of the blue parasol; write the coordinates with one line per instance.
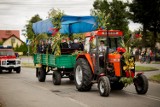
(69, 25)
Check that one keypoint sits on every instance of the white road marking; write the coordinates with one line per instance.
(144, 96)
(78, 102)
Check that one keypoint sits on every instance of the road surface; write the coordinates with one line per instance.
(24, 90)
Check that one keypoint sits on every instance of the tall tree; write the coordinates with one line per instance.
(147, 12)
(28, 27)
(118, 13)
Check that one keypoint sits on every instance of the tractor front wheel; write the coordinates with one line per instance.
(141, 84)
(104, 86)
(83, 75)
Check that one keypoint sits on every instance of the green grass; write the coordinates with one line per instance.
(28, 65)
(156, 62)
(144, 68)
(155, 78)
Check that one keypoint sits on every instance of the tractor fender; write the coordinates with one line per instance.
(88, 58)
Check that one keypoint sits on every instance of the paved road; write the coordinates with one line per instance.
(24, 90)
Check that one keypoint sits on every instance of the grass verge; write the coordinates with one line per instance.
(157, 62)
(144, 68)
(31, 65)
(155, 78)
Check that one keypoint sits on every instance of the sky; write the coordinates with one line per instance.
(14, 14)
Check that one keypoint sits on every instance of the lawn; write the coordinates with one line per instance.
(144, 68)
(155, 78)
(28, 65)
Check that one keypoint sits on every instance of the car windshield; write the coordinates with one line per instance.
(6, 53)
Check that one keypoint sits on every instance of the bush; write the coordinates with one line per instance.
(22, 48)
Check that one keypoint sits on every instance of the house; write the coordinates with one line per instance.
(13, 41)
(5, 34)
(11, 37)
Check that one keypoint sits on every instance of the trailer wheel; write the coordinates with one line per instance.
(56, 77)
(37, 70)
(83, 75)
(42, 74)
(104, 86)
(141, 84)
(18, 70)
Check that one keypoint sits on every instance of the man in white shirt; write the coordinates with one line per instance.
(102, 49)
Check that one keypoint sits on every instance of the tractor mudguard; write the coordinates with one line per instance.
(88, 58)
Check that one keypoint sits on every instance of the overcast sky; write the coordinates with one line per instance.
(15, 13)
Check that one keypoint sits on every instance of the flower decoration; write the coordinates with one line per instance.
(128, 59)
(54, 31)
(121, 50)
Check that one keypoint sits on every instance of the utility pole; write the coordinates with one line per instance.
(28, 43)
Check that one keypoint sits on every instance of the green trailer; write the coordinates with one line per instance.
(62, 67)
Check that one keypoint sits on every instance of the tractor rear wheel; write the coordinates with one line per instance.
(42, 74)
(104, 86)
(141, 84)
(56, 78)
(83, 75)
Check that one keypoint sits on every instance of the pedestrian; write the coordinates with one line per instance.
(137, 54)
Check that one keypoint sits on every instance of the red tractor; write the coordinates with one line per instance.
(106, 66)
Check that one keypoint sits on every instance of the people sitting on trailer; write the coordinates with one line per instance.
(75, 45)
(38, 48)
(102, 49)
(81, 46)
(42, 47)
(48, 47)
(64, 44)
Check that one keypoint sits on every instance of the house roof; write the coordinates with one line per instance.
(4, 34)
(15, 37)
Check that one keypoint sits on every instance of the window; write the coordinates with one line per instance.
(12, 40)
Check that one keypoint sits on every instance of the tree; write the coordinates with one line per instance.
(147, 12)
(118, 13)
(1, 42)
(28, 27)
(21, 48)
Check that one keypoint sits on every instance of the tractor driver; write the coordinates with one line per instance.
(102, 49)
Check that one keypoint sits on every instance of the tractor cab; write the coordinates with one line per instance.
(101, 45)
(111, 38)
